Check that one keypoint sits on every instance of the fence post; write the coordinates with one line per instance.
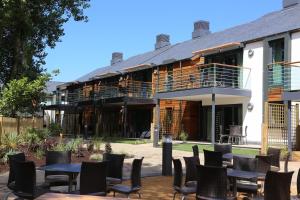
(265, 126)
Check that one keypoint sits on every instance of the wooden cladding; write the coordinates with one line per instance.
(275, 94)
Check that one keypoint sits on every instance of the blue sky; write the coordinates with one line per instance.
(131, 26)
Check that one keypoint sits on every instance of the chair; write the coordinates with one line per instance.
(263, 163)
(275, 161)
(135, 180)
(177, 183)
(93, 178)
(246, 164)
(277, 185)
(58, 178)
(25, 180)
(211, 183)
(190, 170)
(213, 158)
(244, 136)
(298, 183)
(235, 133)
(195, 151)
(222, 135)
(286, 162)
(115, 168)
(11, 176)
(224, 149)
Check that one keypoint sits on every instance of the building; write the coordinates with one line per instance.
(201, 86)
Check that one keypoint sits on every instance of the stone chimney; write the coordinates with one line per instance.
(289, 3)
(116, 58)
(201, 28)
(162, 40)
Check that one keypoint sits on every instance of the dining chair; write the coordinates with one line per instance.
(177, 182)
(277, 185)
(25, 181)
(115, 168)
(59, 178)
(195, 151)
(275, 161)
(235, 133)
(224, 149)
(211, 183)
(246, 164)
(93, 178)
(263, 163)
(135, 178)
(222, 135)
(244, 136)
(11, 176)
(190, 170)
(213, 158)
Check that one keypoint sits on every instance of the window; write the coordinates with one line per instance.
(277, 55)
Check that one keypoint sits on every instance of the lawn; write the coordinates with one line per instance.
(235, 150)
(127, 141)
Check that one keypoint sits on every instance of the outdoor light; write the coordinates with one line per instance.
(250, 53)
(250, 107)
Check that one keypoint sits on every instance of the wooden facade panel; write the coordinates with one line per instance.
(275, 94)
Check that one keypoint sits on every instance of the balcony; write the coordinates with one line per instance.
(212, 75)
(134, 89)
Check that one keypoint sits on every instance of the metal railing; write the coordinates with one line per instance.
(124, 88)
(206, 76)
(284, 75)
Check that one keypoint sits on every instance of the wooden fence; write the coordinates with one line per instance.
(18, 125)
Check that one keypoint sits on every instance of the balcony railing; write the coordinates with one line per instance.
(206, 76)
(284, 76)
(135, 89)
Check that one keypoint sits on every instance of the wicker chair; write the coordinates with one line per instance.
(213, 158)
(177, 184)
(25, 181)
(195, 151)
(246, 164)
(58, 178)
(222, 135)
(224, 149)
(135, 180)
(211, 183)
(115, 168)
(190, 171)
(275, 162)
(277, 185)
(93, 178)
(263, 163)
(11, 176)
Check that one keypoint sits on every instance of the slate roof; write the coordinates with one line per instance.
(270, 24)
(51, 86)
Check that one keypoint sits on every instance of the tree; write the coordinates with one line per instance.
(23, 96)
(27, 27)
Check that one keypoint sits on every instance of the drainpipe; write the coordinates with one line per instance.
(289, 124)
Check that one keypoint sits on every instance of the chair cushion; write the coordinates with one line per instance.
(188, 190)
(113, 181)
(124, 189)
(275, 169)
(191, 184)
(247, 186)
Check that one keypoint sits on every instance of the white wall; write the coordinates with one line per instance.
(253, 119)
(295, 57)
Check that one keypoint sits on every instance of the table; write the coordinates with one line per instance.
(229, 156)
(71, 169)
(238, 174)
(57, 196)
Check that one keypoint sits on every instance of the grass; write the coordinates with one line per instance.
(127, 141)
(235, 150)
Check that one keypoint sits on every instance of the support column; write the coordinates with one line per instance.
(213, 117)
(157, 124)
(289, 124)
(125, 117)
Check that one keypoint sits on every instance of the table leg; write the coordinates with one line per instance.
(70, 182)
(234, 185)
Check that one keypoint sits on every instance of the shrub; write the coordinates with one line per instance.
(183, 136)
(96, 157)
(74, 145)
(10, 141)
(108, 148)
(35, 138)
(55, 129)
(9, 152)
(97, 142)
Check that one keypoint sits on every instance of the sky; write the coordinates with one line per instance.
(131, 27)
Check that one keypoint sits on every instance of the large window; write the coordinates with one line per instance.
(169, 78)
(277, 56)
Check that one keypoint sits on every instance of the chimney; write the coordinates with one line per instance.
(201, 28)
(289, 3)
(162, 40)
(116, 58)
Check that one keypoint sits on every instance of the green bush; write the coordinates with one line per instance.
(183, 136)
(34, 138)
(97, 142)
(55, 129)
(10, 141)
(96, 157)
(74, 145)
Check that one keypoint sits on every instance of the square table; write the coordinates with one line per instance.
(69, 168)
(229, 156)
(246, 175)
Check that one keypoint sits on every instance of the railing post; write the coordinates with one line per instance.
(265, 126)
